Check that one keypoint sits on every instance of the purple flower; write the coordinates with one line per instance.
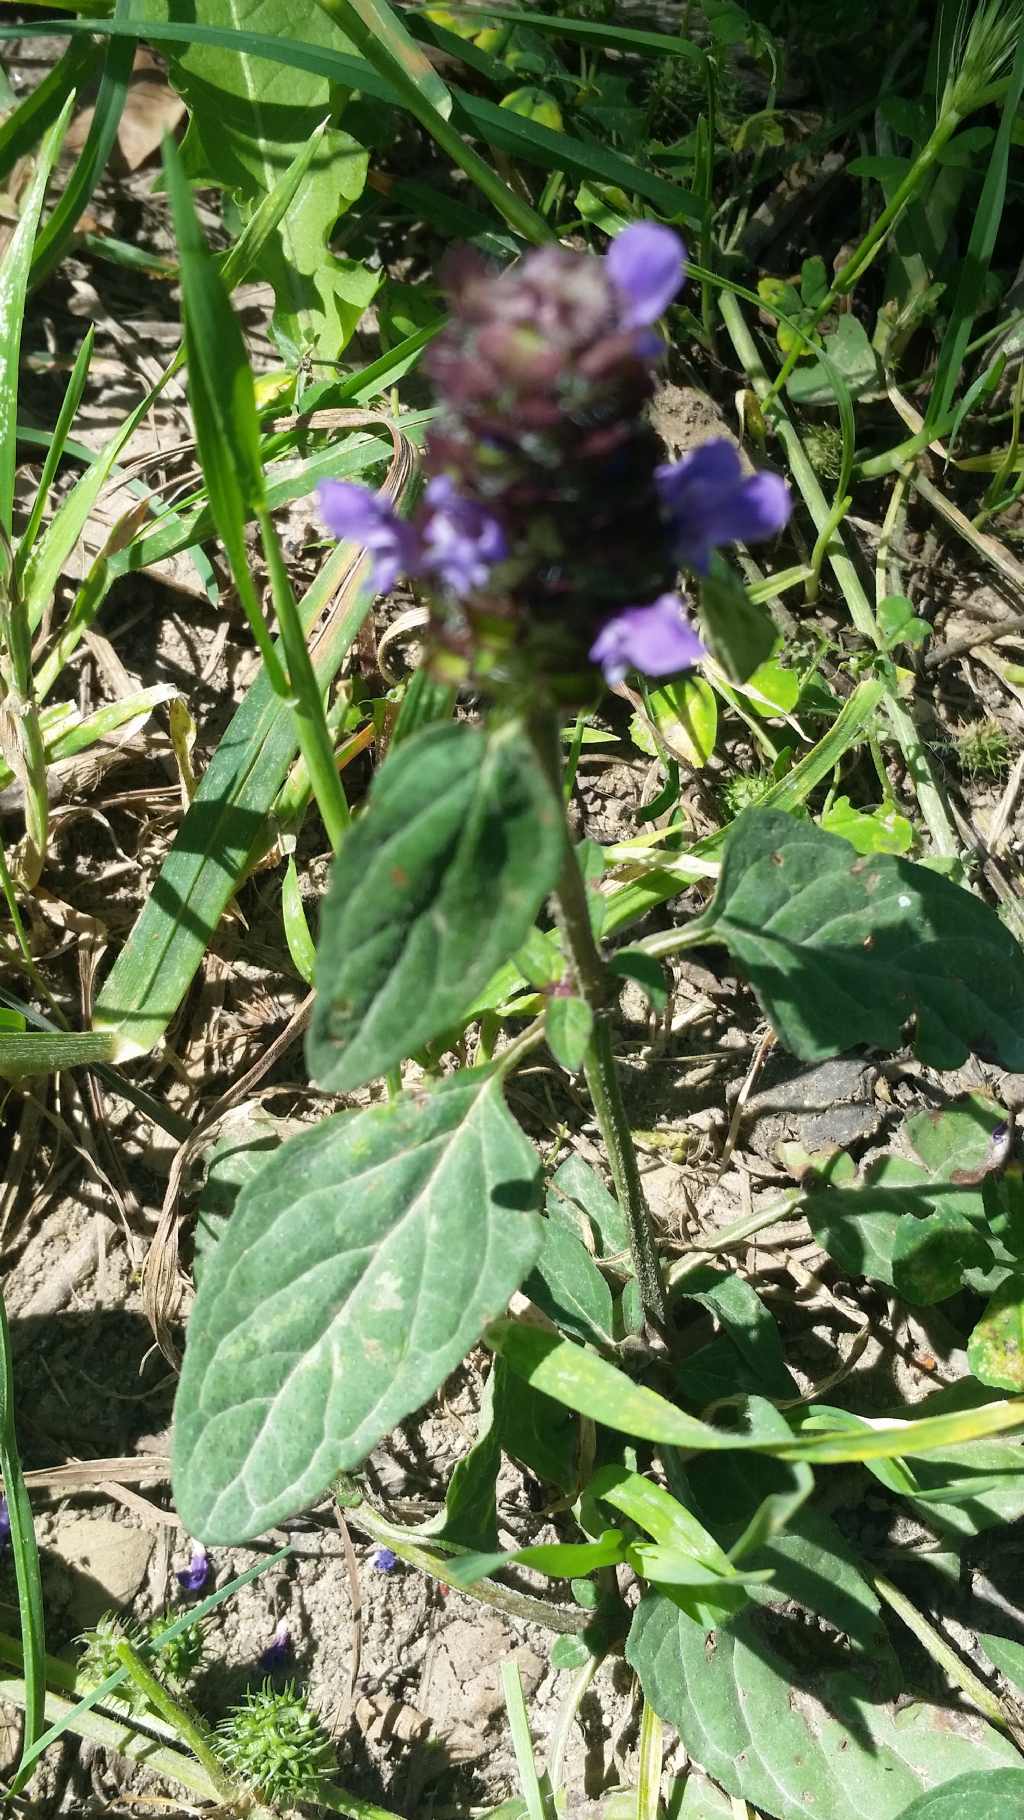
(646, 264)
(278, 1651)
(5, 1526)
(385, 1560)
(363, 517)
(194, 1577)
(656, 639)
(710, 501)
(462, 540)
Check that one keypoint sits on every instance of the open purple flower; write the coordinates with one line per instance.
(353, 512)
(194, 1577)
(656, 639)
(462, 540)
(646, 264)
(709, 500)
(385, 1560)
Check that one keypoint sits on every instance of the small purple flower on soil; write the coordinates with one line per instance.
(193, 1578)
(385, 1560)
(462, 540)
(709, 500)
(646, 264)
(657, 639)
(363, 517)
(277, 1652)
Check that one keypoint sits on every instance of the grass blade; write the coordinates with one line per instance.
(26, 124)
(590, 31)
(26, 1561)
(58, 442)
(14, 270)
(55, 238)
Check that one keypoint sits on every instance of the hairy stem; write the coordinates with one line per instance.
(188, 1726)
(599, 1066)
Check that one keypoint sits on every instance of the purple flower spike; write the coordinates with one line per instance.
(385, 1560)
(194, 1577)
(710, 501)
(277, 1652)
(646, 264)
(363, 517)
(656, 639)
(462, 540)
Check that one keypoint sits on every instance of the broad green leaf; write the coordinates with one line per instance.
(881, 830)
(537, 1432)
(843, 949)
(248, 118)
(578, 1197)
(812, 1564)
(357, 1270)
(799, 1739)
(685, 713)
(584, 1382)
(645, 970)
(437, 884)
(566, 1283)
(1007, 1655)
(744, 1317)
(851, 353)
(568, 1026)
(987, 1794)
(899, 624)
(995, 1352)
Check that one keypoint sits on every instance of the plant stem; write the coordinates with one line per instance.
(188, 1726)
(315, 742)
(599, 1066)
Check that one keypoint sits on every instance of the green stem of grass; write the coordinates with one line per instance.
(315, 742)
(599, 1067)
(186, 1724)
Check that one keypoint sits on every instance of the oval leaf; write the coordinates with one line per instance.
(800, 1744)
(435, 887)
(995, 1352)
(842, 949)
(992, 1794)
(356, 1272)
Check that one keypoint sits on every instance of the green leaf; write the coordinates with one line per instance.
(566, 1283)
(559, 1560)
(899, 624)
(741, 635)
(842, 949)
(812, 1564)
(537, 1432)
(987, 1794)
(743, 1315)
(14, 271)
(296, 929)
(568, 1024)
(881, 830)
(580, 1379)
(995, 1352)
(437, 884)
(356, 1272)
(850, 352)
(916, 1226)
(248, 118)
(685, 713)
(578, 1197)
(470, 1515)
(798, 1740)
